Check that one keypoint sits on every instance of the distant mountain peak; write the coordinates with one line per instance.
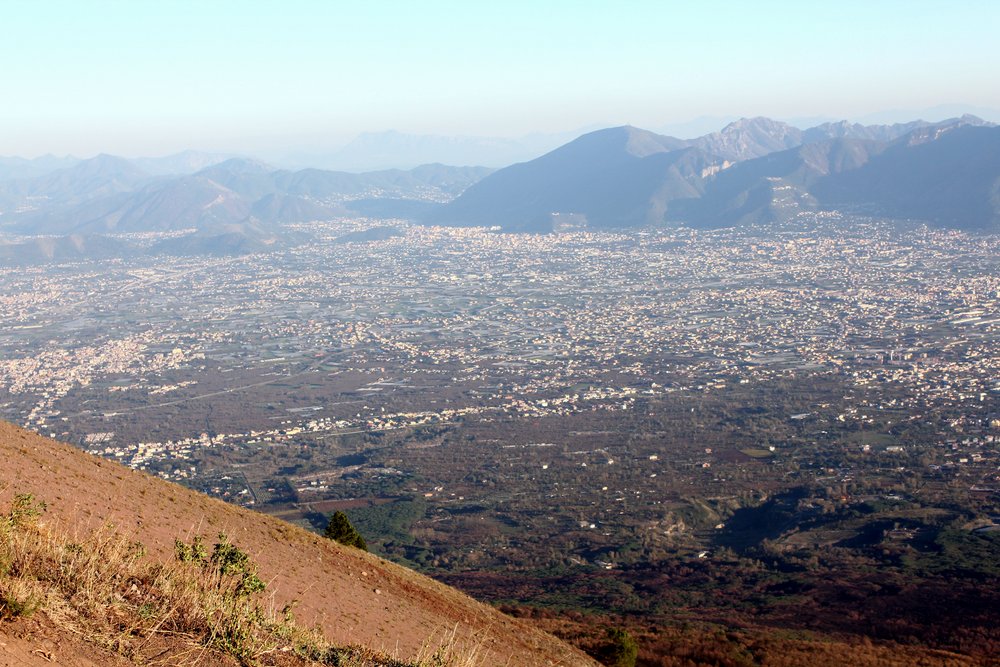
(631, 140)
(240, 165)
(749, 138)
(755, 123)
(972, 119)
(106, 161)
(933, 131)
(185, 162)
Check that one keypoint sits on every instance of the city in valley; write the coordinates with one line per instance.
(617, 412)
(457, 334)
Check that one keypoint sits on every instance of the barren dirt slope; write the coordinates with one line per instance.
(355, 597)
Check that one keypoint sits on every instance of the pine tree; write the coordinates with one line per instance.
(621, 650)
(340, 529)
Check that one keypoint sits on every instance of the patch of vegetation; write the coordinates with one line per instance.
(390, 522)
(18, 597)
(621, 649)
(962, 553)
(340, 530)
(758, 453)
(104, 589)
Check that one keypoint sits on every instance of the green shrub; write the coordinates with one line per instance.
(341, 530)
(24, 510)
(621, 649)
(191, 553)
(18, 598)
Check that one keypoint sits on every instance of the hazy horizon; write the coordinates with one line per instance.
(525, 146)
(139, 79)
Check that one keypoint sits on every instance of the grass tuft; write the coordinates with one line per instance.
(104, 589)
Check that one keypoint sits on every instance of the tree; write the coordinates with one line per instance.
(341, 530)
(621, 650)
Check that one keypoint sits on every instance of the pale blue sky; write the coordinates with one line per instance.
(137, 77)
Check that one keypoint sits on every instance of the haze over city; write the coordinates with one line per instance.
(276, 79)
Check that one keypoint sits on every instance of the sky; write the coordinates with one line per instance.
(144, 77)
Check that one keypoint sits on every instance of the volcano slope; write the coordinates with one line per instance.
(351, 597)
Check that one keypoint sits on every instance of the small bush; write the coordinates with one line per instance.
(25, 510)
(341, 530)
(191, 553)
(19, 598)
(621, 649)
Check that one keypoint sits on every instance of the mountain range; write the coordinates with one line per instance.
(111, 194)
(754, 171)
(234, 206)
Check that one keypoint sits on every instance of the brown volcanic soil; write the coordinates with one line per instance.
(36, 642)
(355, 598)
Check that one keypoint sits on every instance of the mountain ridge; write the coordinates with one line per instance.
(610, 178)
(744, 174)
(109, 194)
(597, 175)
